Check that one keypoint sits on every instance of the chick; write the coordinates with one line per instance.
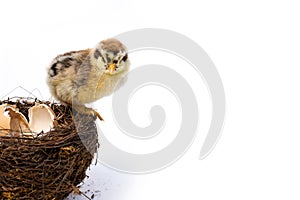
(80, 77)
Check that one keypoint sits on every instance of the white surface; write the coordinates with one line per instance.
(255, 46)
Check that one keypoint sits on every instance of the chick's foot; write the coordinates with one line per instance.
(87, 111)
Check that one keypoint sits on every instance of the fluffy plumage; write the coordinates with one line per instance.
(79, 77)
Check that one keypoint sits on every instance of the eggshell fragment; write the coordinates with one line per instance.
(4, 119)
(4, 133)
(18, 122)
(41, 118)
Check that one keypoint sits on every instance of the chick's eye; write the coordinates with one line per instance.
(125, 58)
(115, 61)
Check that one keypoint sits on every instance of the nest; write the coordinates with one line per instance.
(51, 165)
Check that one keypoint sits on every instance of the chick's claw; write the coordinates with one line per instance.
(98, 115)
(88, 111)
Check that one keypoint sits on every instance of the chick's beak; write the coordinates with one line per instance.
(111, 68)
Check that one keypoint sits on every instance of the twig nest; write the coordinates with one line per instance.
(45, 149)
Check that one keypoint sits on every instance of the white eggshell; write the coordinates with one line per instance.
(41, 118)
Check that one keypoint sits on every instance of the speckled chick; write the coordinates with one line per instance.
(80, 77)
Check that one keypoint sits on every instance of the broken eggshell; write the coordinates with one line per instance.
(18, 123)
(4, 118)
(41, 118)
(13, 123)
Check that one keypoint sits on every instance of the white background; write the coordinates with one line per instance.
(255, 46)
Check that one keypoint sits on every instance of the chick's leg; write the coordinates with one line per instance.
(88, 111)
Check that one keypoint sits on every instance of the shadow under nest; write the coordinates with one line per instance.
(51, 165)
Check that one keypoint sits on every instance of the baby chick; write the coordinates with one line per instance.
(80, 77)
